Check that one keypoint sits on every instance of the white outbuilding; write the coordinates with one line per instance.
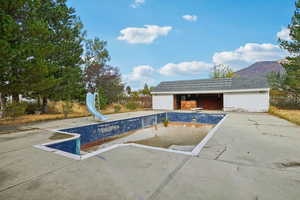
(228, 94)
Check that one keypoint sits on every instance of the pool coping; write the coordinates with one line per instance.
(194, 152)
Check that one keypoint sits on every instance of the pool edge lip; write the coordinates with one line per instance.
(195, 152)
(59, 152)
(45, 147)
(203, 142)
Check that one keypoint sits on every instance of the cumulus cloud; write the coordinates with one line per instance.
(284, 34)
(190, 18)
(248, 54)
(185, 68)
(137, 3)
(144, 35)
(140, 75)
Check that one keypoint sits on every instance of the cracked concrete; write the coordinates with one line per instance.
(220, 154)
(251, 156)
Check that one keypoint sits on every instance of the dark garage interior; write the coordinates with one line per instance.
(205, 101)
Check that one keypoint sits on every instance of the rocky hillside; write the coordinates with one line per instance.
(260, 69)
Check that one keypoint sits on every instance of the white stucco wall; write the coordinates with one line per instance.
(162, 102)
(247, 101)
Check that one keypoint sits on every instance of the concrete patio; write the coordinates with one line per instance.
(251, 156)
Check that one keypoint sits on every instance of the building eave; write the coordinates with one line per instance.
(214, 91)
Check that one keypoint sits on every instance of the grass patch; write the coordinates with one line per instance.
(58, 107)
(56, 113)
(290, 115)
(110, 109)
(37, 118)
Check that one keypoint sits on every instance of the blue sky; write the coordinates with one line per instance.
(160, 40)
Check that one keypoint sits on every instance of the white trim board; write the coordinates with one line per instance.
(214, 91)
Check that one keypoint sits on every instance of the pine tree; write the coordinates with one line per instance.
(146, 91)
(290, 82)
(66, 47)
(20, 31)
(128, 90)
(40, 49)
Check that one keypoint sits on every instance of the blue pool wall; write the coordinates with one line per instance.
(202, 118)
(94, 132)
(70, 146)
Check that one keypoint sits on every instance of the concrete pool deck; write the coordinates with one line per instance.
(251, 156)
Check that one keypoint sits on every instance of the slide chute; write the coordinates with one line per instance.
(91, 106)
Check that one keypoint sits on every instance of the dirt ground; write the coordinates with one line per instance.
(183, 134)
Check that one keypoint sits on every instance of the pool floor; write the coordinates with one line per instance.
(177, 135)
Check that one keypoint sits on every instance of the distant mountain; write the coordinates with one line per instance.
(261, 69)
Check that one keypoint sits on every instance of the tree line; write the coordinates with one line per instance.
(288, 83)
(45, 54)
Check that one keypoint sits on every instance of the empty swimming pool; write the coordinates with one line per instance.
(170, 131)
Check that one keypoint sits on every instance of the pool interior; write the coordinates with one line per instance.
(182, 136)
(146, 130)
(176, 136)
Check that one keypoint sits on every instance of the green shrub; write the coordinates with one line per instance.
(14, 110)
(131, 106)
(32, 108)
(166, 123)
(117, 108)
(102, 99)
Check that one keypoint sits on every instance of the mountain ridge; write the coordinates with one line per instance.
(262, 68)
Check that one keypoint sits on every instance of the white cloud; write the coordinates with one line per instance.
(237, 59)
(145, 35)
(185, 68)
(284, 34)
(139, 72)
(139, 76)
(248, 54)
(190, 18)
(137, 3)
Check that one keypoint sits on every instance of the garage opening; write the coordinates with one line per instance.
(205, 101)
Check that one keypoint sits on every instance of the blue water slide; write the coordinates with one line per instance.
(90, 103)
